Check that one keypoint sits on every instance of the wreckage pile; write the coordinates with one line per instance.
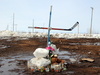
(43, 63)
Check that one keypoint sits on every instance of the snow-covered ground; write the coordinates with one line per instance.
(57, 35)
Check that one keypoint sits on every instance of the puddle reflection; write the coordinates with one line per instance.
(87, 43)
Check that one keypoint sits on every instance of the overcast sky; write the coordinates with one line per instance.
(65, 13)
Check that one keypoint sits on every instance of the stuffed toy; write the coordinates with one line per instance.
(55, 60)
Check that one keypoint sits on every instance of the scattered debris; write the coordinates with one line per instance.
(42, 62)
(86, 59)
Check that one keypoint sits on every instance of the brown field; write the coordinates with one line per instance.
(14, 55)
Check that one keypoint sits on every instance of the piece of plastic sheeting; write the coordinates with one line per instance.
(38, 62)
(55, 51)
(40, 52)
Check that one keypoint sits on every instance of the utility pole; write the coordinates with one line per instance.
(78, 28)
(33, 26)
(7, 27)
(91, 21)
(43, 26)
(16, 27)
(13, 21)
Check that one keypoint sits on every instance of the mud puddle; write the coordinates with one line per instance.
(70, 57)
(87, 43)
(10, 64)
(68, 72)
(2, 46)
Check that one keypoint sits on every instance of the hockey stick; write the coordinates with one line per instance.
(70, 29)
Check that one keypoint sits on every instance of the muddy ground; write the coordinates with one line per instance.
(15, 53)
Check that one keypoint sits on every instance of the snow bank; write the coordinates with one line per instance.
(56, 35)
(7, 33)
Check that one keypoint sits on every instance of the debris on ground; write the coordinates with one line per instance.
(86, 59)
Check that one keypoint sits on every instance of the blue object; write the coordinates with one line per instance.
(49, 25)
(49, 43)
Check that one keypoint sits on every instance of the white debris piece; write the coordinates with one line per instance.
(55, 51)
(72, 60)
(40, 52)
(38, 62)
